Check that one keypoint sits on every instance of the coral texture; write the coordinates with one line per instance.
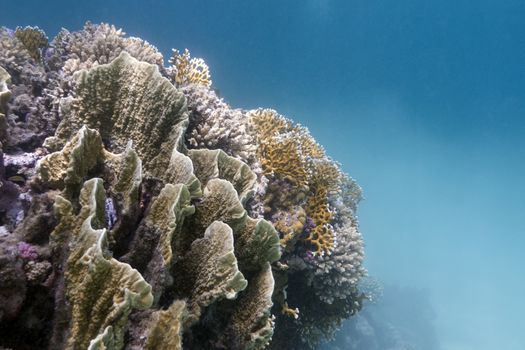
(33, 39)
(5, 95)
(138, 210)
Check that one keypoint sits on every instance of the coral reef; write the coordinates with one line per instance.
(138, 210)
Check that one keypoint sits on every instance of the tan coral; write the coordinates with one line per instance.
(33, 39)
(186, 70)
(68, 168)
(166, 327)
(322, 235)
(251, 323)
(290, 225)
(288, 311)
(211, 164)
(211, 269)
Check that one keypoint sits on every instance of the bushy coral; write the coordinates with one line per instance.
(215, 125)
(30, 115)
(33, 39)
(98, 44)
(155, 215)
(185, 70)
(337, 276)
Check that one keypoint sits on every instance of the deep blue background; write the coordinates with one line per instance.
(422, 101)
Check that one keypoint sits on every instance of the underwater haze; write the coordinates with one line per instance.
(422, 102)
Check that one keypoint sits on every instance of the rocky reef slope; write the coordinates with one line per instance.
(138, 210)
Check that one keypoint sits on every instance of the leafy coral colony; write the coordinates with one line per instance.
(138, 210)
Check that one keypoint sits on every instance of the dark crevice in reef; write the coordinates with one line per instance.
(31, 329)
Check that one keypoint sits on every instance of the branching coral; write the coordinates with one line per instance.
(33, 39)
(31, 116)
(215, 125)
(288, 152)
(98, 44)
(156, 216)
(185, 70)
(337, 276)
(5, 94)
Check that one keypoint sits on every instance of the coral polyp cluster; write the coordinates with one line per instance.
(185, 70)
(138, 210)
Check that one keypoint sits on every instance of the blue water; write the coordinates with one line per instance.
(422, 101)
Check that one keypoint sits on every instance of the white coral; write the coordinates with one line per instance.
(336, 275)
(215, 125)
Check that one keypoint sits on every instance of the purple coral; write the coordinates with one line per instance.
(27, 251)
(111, 213)
(309, 225)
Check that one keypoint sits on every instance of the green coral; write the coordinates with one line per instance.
(251, 324)
(101, 290)
(212, 164)
(194, 247)
(166, 328)
(126, 100)
(210, 269)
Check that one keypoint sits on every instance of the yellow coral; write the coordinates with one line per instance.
(187, 70)
(286, 310)
(310, 147)
(322, 235)
(33, 39)
(283, 148)
(290, 226)
(289, 152)
(269, 123)
(282, 157)
(326, 174)
(325, 181)
(278, 150)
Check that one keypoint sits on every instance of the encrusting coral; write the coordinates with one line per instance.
(138, 210)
